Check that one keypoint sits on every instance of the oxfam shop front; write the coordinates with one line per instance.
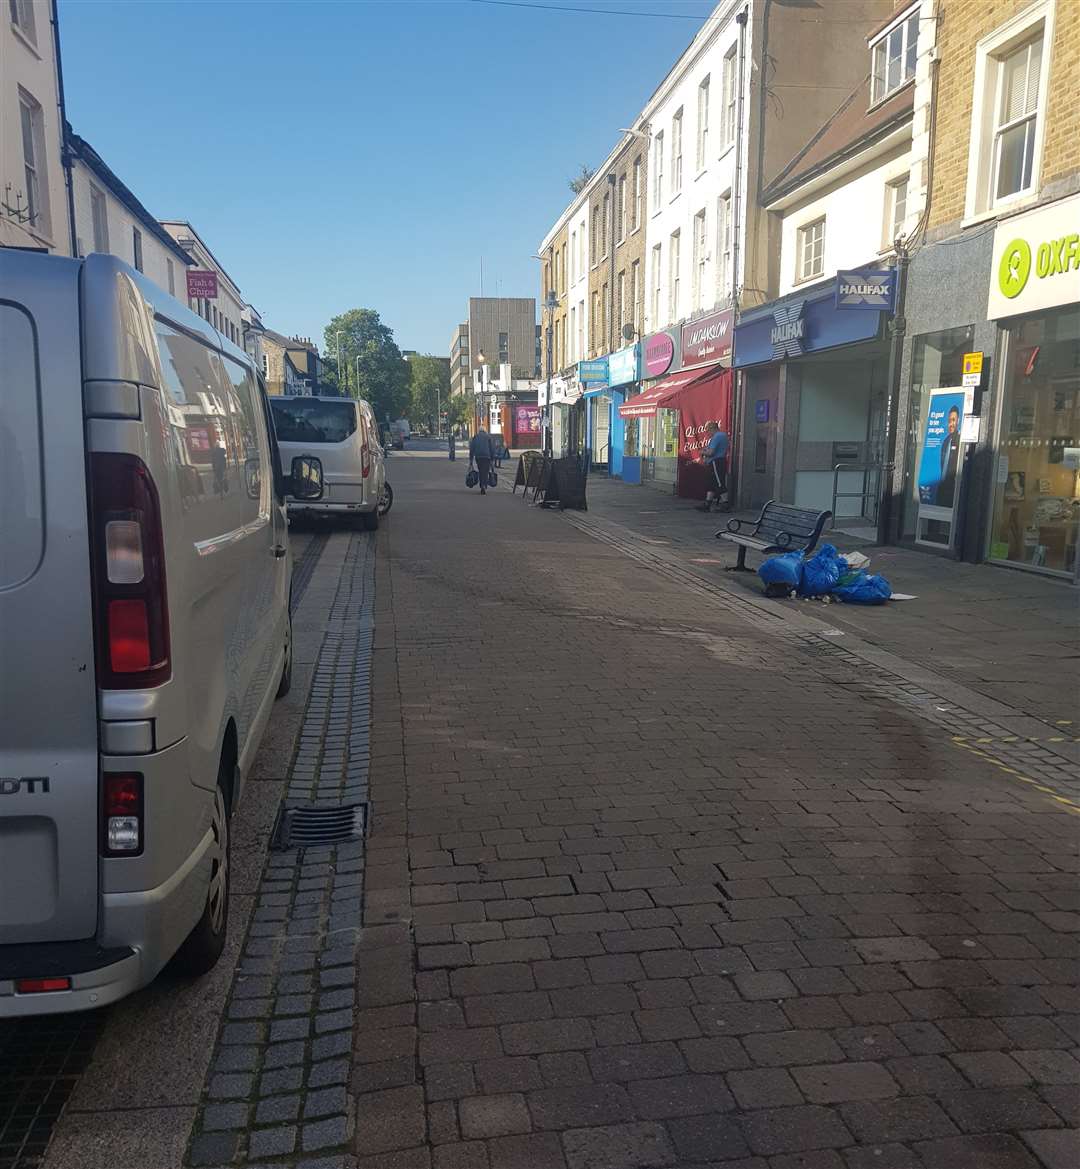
(1035, 298)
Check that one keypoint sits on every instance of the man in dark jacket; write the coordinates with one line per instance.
(482, 451)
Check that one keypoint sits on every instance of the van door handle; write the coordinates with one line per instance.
(279, 551)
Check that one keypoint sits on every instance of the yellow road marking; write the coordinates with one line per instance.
(1070, 806)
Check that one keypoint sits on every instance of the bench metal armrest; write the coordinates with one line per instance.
(736, 525)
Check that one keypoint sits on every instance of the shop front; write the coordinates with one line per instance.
(566, 412)
(665, 430)
(1035, 300)
(815, 390)
(605, 425)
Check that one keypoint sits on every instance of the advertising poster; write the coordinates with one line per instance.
(939, 462)
(527, 420)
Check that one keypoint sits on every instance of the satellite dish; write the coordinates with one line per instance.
(628, 332)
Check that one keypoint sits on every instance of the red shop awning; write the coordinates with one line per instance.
(664, 394)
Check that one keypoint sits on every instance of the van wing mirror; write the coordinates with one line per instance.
(306, 478)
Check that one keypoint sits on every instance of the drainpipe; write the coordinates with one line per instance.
(611, 277)
(887, 489)
(65, 152)
(737, 405)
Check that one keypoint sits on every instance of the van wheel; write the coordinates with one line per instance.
(203, 946)
(285, 684)
(371, 520)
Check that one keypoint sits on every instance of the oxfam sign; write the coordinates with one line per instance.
(1036, 261)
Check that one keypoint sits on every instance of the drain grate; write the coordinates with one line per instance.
(41, 1060)
(309, 827)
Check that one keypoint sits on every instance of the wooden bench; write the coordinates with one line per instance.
(781, 527)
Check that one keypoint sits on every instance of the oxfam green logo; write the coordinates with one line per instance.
(1014, 269)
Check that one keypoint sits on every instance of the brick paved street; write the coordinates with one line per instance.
(680, 892)
(656, 874)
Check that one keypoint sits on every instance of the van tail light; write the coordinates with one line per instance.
(365, 460)
(129, 575)
(121, 814)
(41, 985)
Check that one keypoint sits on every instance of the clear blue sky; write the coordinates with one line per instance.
(363, 154)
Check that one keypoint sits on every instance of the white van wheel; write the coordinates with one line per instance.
(203, 946)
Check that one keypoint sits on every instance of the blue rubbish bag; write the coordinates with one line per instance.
(821, 572)
(865, 590)
(782, 572)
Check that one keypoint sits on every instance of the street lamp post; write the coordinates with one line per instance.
(483, 386)
(551, 303)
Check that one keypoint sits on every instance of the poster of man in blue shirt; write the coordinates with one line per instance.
(941, 449)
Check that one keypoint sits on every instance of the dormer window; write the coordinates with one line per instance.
(893, 54)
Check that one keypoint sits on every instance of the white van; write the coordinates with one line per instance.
(144, 625)
(343, 435)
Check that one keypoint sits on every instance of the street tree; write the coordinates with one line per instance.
(370, 363)
(429, 388)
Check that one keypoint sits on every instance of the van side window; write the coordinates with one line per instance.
(217, 446)
(21, 517)
(253, 444)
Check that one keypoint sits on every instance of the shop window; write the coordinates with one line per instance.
(1036, 483)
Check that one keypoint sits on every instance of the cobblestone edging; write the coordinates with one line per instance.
(846, 666)
(277, 1089)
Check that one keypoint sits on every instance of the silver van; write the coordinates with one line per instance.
(144, 625)
(343, 435)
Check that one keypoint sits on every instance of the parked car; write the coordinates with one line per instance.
(144, 608)
(343, 435)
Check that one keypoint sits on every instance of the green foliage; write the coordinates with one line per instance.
(460, 410)
(381, 375)
(581, 181)
(429, 387)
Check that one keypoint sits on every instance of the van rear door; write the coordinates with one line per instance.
(48, 743)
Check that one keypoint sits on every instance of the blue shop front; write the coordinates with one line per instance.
(814, 368)
(604, 426)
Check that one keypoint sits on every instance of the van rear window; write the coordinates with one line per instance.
(310, 420)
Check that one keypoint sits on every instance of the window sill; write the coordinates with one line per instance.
(800, 280)
(725, 150)
(1001, 210)
(26, 40)
(677, 195)
(635, 230)
(701, 173)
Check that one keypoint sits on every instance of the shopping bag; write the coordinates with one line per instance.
(472, 478)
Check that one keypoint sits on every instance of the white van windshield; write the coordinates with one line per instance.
(311, 420)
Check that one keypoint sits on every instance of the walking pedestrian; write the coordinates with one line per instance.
(451, 442)
(497, 449)
(482, 451)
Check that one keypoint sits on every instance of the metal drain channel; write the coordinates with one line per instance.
(308, 827)
(41, 1060)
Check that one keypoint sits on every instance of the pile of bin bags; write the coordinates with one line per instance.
(825, 574)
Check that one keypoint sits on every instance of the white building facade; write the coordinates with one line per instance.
(225, 312)
(109, 218)
(697, 174)
(34, 205)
